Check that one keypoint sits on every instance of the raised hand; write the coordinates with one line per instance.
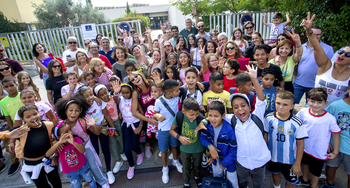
(264, 14)
(142, 40)
(90, 121)
(69, 138)
(193, 11)
(252, 72)
(307, 24)
(148, 30)
(161, 40)
(116, 86)
(63, 139)
(294, 36)
(201, 50)
(17, 133)
(156, 77)
(221, 63)
(287, 14)
(121, 30)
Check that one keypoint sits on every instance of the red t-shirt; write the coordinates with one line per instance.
(105, 60)
(229, 83)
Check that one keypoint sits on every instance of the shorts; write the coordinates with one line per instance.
(340, 158)
(164, 139)
(315, 165)
(285, 169)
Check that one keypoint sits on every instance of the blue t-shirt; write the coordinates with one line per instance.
(159, 107)
(270, 97)
(341, 111)
(276, 29)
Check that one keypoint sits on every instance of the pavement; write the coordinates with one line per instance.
(149, 173)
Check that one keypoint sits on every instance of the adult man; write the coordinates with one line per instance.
(189, 28)
(222, 38)
(131, 34)
(15, 65)
(175, 31)
(307, 68)
(94, 54)
(68, 56)
(120, 40)
(106, 49)
(249, 29)
(202, 33)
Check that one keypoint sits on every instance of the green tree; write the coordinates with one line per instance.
(87, 14)
(127, 8)
(9, 26)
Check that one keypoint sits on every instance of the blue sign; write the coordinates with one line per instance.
(245, 18)
(123, 26)
(88, 28)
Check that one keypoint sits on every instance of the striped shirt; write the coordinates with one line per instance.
(104, 78)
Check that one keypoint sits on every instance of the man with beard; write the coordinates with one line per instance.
(175, 31)
(202, 33)
(15, 65)
(249, 29)
(189, 28)
(94, 53)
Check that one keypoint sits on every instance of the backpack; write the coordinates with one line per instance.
(180, 117)
(255, 119)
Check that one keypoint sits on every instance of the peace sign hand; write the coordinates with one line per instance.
(142, 40)
(307, 24)
(295, 36)
(201, 50)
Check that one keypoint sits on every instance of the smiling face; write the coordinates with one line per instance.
(249, 28)
(129, 69)
(317, 106)
(342, 59)
(136, 79)
(99, 67)
(136, 51)
(56, 68)
(89, 97)
(191, 40)
(39, 48)
(65, 130)
(104, 95)
(72, 43)
(172, 60)
(183, 59)
(230, 50)
(5, 70)
(105, 43)
(27, 98)
(241, 108)
(120, 41)
(94, 48)
(181, 41)
(90, 80)
(283, 106)
(277, 21)
(260, 56)
(215, 118)
(237, 35)
(281, 38)
(169, 72)
(120, 54)
(81, 57)
(72, 80)
(191, 114)
(155, 92)
(156, 44)
(285, 50)
(213, 62)
(73, 111)
(126, 92)
(210, 47)
(256, 39)
(222, 40)
(25, 79)
(32, 118)
(156, 56)
(200, 42)
(191, 79)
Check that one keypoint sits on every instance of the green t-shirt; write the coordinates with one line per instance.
(188, 131)
(10, 105)
(287, 68)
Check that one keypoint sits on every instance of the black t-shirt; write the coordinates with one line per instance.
(55, 84)
(250, 51)
(247, 38)
(278, 73)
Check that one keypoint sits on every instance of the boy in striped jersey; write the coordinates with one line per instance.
(285, 140)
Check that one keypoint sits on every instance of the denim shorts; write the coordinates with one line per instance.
(341, 157)
(164, 138)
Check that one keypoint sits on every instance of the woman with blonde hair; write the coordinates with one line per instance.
(231, 50)
(102, 73)
(237, 37)
(82, 64)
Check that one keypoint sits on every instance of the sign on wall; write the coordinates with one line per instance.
(89, 31)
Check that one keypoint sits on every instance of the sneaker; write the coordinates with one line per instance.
(323, 176)
(171, 156)
(187, 186)
(139, 159)
(178, 166)
(326, 185)
(117, 166)
(160, 154)
(123, 156)
(165, 176)
(198, 182)
(110, 176)
(105, 185)
(14, 169)
(204, 161)
(302, 182)
(2, 168)
(130, 173)
(2, 159)
(148, 151)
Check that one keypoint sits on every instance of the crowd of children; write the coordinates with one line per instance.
(238, 122)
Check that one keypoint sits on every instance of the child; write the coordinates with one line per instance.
(184, 62)
(131, 128)
(100, 71)
(115, 139)
(230, 71)
(72, 110)
(267, 78)
(191, 147)
(237, 37)
(100, 114)
(171, 60)
(341, 110)
(320, 126)
(168, 106)
(277, 26)
(46, 111)
(9, 106)
(156, 93)
(129, 67)
(71, 156)
(216, 81)
(210, 64)
(73, 85)
(191, 90)
(172, 73)
(285, 140)
(220, 139)
(252, 151)
(89, 78)
(245, 86)
(34, 146)
(26, 82)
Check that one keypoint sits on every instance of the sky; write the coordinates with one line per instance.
(123, 2)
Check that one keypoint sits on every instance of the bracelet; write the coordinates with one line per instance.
(205, 122)
(209, 146)
(3, 136)
(299, 46)
(71, 90)
(308, 34)
(177, 136)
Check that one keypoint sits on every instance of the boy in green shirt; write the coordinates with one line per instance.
(190, 146)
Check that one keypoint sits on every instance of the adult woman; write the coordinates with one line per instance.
(98, 40)
(333, 76)
(121, 55)
(138, 51)
(191, 42)
(86, 46)
(42, 59)
(82, 64)
(211, 47)
(256, 39)
(231, 50)
(55, 81)
(280, 38)
(168, 47)
(195, 56)
(6, 71)
(102, 73)
(142, 95)
(137, 41)
(287, 61)
(237, 37)
(214, 35)
(181, 44)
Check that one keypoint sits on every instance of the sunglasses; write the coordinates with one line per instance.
(56, 66)
(230, 48)
(132, 79)
(166, 46)
(281, 39)
(87, 44)
(132, 31)
(72, 42)
(6, 68)
(120, 39)
(2, 50)
(347, 54)
(213, 34)
(249, 27)
(287, 29)
(200, 26)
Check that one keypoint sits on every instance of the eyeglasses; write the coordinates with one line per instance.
(132, 79)
(287, 29)
(347, 54)
(213, 61)
(95, 47)
(317, 35)
(87, 44)
(56, 66)
(249, 27)
(230, 48)
(189, 22)
(226, 67)
(2, 50)
(120, 39)
(6, 68)
(281, 39)
(213, 34)
(166, 46)
(132, 31)
(200, 26)
(72, 42)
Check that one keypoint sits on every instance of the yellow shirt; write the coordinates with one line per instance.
(210, 96)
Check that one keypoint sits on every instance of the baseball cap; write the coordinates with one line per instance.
(235, 95)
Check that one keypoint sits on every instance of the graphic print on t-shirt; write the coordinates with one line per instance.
(333, 89)
(93, 114)
(188, 133)
(71, 158)
(343, 121)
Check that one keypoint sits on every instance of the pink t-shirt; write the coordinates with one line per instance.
(71, 159)
(104, 78)
(112, 109)
(80, 131)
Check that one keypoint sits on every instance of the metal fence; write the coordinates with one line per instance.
(55, 40)
(229, 21)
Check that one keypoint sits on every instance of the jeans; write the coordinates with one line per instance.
(53, 177)
(257, 175)
(116, 142)
(104, 140)
(84, 172)
(96, 170)
(186, 165)
(131, 142)
(299, 92)
(45, 77)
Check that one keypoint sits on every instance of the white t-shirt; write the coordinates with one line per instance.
(199, 98)
(43, 108)
(95, 111)
(319, 128)
(72, 54)
(241, 45)
(125, 107)
(65, 89)
(159, 107)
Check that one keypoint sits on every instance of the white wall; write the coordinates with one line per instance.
(176, 18)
